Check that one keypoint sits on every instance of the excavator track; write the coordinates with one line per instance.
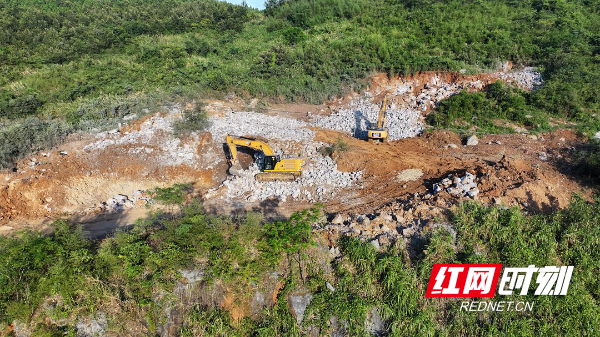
(276, 176)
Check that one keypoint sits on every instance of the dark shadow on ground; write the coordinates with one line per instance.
(360, 131)
(100, 226)
(581, 162)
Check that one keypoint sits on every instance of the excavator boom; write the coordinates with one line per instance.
(252, 143)
(382, 113)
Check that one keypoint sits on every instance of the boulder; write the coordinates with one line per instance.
(92, 327)
(472, 141)
(338, 219)
(408, 232)
(329, 286)
(364, 220)
(374, 323)
(298, 304)
(384, 240)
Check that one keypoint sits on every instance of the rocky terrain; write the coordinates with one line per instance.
(386, 194)
(108, 173)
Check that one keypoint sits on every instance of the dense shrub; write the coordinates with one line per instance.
(60, 52)
(130, 268)
(12, 106)
(488, 109)
(80, 274)
(193, 120)
(21, 138)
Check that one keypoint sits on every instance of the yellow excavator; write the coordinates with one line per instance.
(379, 131)
(272, 166)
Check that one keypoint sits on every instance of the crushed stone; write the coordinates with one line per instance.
(244, 123)
(319, 182)
(156, 133)
(355, 119)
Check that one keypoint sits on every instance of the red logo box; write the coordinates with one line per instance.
(463, 280)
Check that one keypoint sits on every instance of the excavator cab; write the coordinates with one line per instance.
(270, 162)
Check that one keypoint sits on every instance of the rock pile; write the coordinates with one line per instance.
(319, 182)
(472, 141)
(120, 202)
(381, 229)
(257, 124)
(458, 186)
(401, 122)
(154, 134)
(527, 77)
(407, 101)
(88, 326)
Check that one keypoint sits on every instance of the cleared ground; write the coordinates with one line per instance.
(79, 179)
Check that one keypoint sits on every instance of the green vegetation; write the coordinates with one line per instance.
(123, 274)
(171, 196)
(584, 164)
(395, 284)
(195, 119)
(488, 110)
(93, 62)
(61, 52)
(84, 276)
(28, 135)
(336, 149)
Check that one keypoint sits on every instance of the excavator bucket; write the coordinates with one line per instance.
(236, 170)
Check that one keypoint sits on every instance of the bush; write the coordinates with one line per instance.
(584, 163)
(33, 266)
(19, 107)
(336, 149)
(20, 138)
(193, 120)
(485, 109)
(293, 35)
